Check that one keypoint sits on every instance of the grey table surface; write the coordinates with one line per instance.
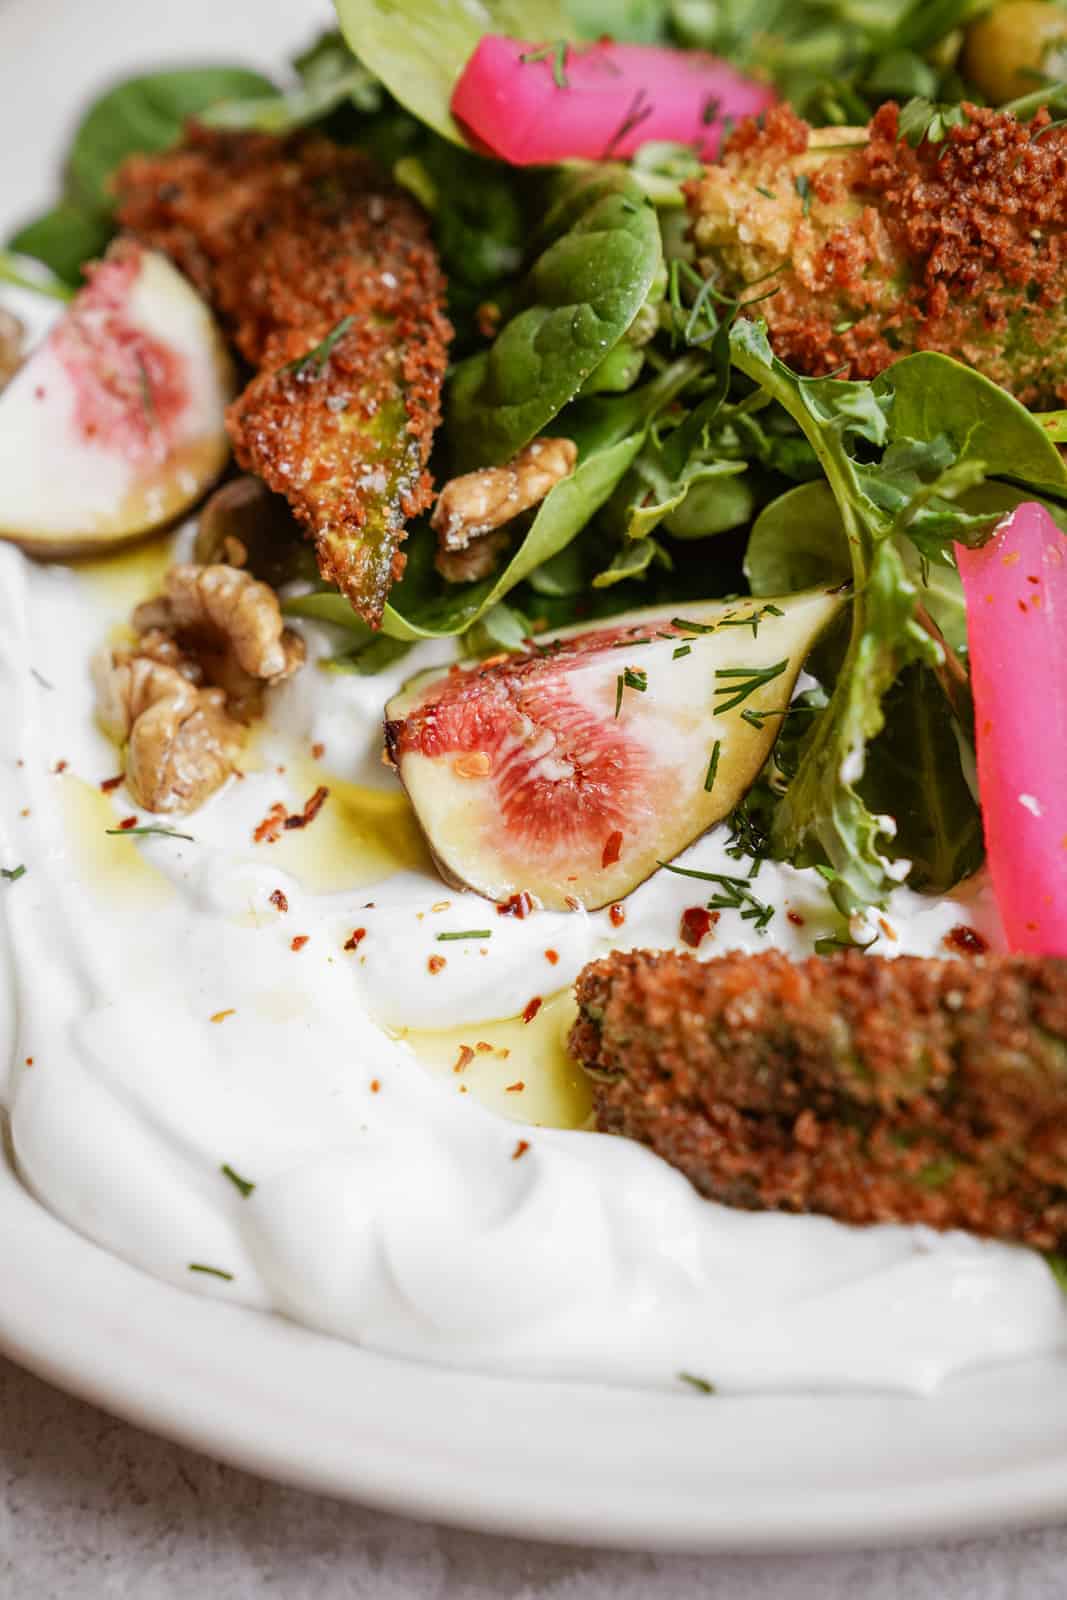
(91, 1509)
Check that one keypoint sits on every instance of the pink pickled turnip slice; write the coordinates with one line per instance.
(1016, 588)
(617, 98)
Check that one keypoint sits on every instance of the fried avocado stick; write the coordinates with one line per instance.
(872, 1090)
(875, 249)
(326, 277)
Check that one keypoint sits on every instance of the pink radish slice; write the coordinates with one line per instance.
(617, 98)
(1016, 589)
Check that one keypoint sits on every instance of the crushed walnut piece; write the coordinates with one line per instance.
(471, 509)
(179, 699)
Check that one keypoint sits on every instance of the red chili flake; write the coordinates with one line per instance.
(356, 938)
(277, 898)
(269, 830)
(519, 905)
(317, 752)
(29, 1061)
(300, 819)
(617, 915)
(375, 1085)
(464, 1059)
(571, 903)
(437, 964)
(520, 1149)
(966, 940)
(299, 942)
(795, 918)
(695, 926)
(552, 956)
(612, 849)
(1031, 579)
(128, 822)
(532, 1009)
(515, 1088)
(483, 1048)
(109, 785)
(59, 766)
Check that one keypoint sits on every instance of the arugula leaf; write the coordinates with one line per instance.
(934, 395)
(418, 48)
(632, 561)
(914, 773)
(601, 252)
(921, 119)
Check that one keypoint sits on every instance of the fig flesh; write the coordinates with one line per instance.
(570, 771)
(115, 424)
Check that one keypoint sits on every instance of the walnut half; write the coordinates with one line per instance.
(469, 509)
(181, 696)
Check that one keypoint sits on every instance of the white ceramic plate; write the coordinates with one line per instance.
(578, 1462)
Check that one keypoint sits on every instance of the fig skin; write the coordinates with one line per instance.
(115, 424)
(572, 771)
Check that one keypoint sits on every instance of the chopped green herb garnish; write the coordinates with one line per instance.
(735, 895)
(148, 404)
(631, 678)
(740, 682)
(154, 828)
(474, 933)
(13, 874)
(693, 627)
(700, 1384)
(713, 767)
(238, 1182)
(41, 679)
(829, 947)
(627, 644)
(212, 1272)
(316, 359)
(682, 650)
(753, 619)
(802, 184)
(768, 194)
(557, 53)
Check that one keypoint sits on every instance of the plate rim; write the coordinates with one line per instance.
(68, 1303)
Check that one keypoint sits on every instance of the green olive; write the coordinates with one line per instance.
(1006, 54)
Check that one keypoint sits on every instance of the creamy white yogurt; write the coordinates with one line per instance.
(160, 1026)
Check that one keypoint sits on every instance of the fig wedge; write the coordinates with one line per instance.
(569, 771)
(115, 424)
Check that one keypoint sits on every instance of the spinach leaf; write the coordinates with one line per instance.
(144, 115)
(914, 774)
(600, 256)
(797, 542)
(25, 273)
(418, 48)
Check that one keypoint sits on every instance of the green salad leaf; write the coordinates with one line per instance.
(418, 48)
(599, 254)
(139, 116)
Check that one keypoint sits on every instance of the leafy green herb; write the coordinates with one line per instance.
(629, 678)
(63, 239)
(242, 1185)
(768, 194)
(13, 874)
(701, 1385)
(369, 658)
(920, 119)
(476, 933)
(741, 682)
(329, 77)
(212, 1272)
(313, 364)
(149, 828)
(713, 767)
